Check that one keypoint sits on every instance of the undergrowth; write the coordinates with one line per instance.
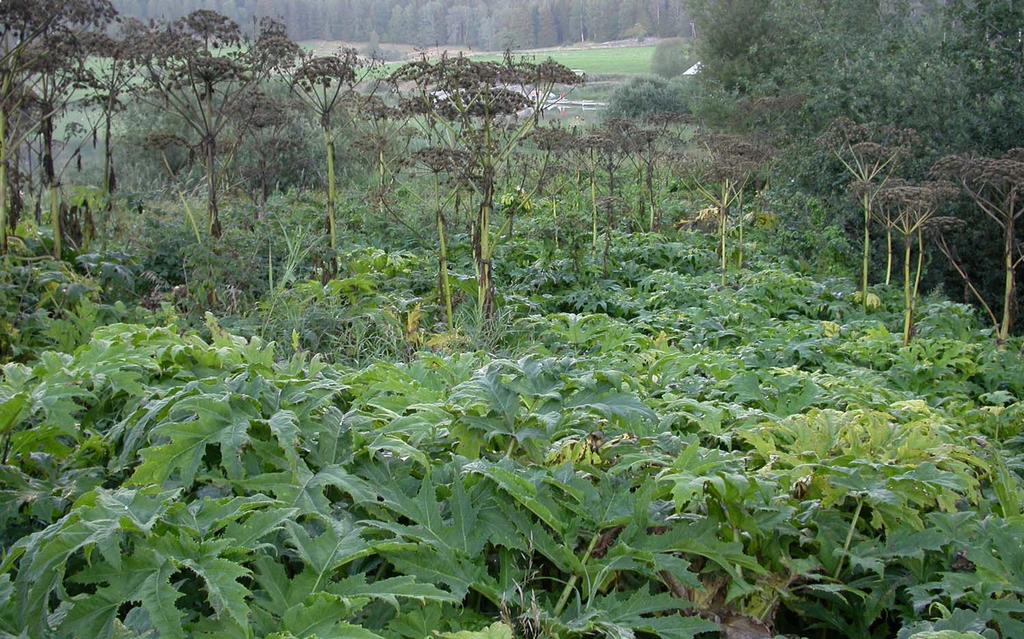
(645, 453)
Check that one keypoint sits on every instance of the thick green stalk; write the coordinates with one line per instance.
(50, 175)
(442, 261)
(108, 164)
(739, 203)
(184, 203)
(723, 225)
(593, 202)
(655, 221)
(332, 189)
(920, 267)
(1010, 281)
(485, 300)
(108, 171)
(888, 258)
(564, 598)
(554, 217)
(908, 302)
(483, 248)
(641, 198)
(3, 182)
(381, 181)
(849, 538)
(608, 219)
(58, 232)
(867, 251)
(212, 210)
(739, 260)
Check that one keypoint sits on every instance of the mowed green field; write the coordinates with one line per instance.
(599, 62)
(595, 62)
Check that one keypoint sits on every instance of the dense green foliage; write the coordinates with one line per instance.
(646, 97)
(651, 444)
(443, 361)
(672, 58)
(950, 71)
(876, 61)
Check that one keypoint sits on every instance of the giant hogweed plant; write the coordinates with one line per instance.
(870, 155)
(163, 485)
(763, 458)
(480, 109)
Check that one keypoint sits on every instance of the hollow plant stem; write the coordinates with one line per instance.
(564, 598)
(849, 538)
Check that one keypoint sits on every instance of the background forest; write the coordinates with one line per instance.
(481, 24)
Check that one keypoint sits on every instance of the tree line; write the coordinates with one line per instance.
(480, 24)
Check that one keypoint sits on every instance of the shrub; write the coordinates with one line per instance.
(671, 58)
(647, 96)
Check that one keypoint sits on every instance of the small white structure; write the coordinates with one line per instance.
(694, 70)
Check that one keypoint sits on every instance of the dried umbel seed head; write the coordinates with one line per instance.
(945, 223)
(983, 173)
(870, 142)
(613, 137)
(553, 139)
(898, 137)
(164, 142)
(23, 20)
(376, 108)
(262, 111)
(843, 132)
(551, 72)
(870, 151)
(96, 43)
(474, 88)
(914, 205)
(645, 138)
(737, 146)
(667, 120)
(493, 102)
(416, 105)
(273, 49)
(210, 69)
(210, 28)
(327, 72)
(1014, 155)
(731, 157)
(55, 53)
(861, 188)
(442, 160)
(190, 49)
(411, 72)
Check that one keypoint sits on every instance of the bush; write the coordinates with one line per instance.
(647, 96)
(671, 58)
